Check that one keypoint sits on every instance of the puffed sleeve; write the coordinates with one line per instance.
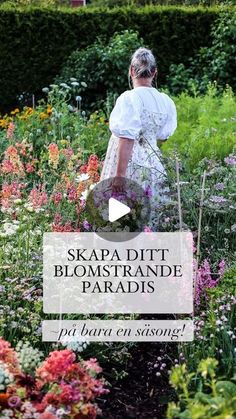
(125, 118)
(170, 125)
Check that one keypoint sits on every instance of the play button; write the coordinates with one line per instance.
(107, 211)
(117, 210)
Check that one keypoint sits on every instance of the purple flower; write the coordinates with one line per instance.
(14, 401)
(132, 195)
(219, 186)
(86, 225)
(148, 191)
(231, 160)
(221, 268)
(217, 199)
(204, 280)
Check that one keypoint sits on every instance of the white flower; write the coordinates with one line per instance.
(29, 207)
(82, 177)
(84, 195)
(70, 108)
(92, 186)
(18, 201)
(7, 210)
(65, 85)
(9, 229)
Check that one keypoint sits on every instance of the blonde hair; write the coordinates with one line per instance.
(143, 62)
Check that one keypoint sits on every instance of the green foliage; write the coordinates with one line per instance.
(212, 398)
(115, 3)
(38, 3)
(206, 127)
(215, 63)
(35, 43)
(104, 67)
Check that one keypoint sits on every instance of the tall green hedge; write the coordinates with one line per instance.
(34, 43)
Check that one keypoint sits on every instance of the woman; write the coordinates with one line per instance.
(140, 117)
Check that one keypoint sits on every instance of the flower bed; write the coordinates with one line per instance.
(51, 157)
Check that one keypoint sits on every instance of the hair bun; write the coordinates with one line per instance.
(143, 63)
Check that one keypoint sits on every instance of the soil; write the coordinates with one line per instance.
(141, 394)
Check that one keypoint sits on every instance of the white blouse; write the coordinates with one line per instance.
(127, 117)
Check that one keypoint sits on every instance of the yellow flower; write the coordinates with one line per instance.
(3, 123)
(29, 111)
(64, 142)
(43, 115)
(15, 111)
(49, 110)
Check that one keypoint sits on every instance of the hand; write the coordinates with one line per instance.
(118, 184)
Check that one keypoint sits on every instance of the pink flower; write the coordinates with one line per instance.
(29, 168)
(47, 415)
(72, 194)
(10, 130)
(8, 356)
(68, 153)
(204, 280)
(37, 197)
(147, 229)
(56, 365)
(12, 162)
(56, 198)
(92, 364)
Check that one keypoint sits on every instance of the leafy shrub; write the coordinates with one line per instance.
(211, 64)
(104, 67)
(41, 3)
(35, 42)
(213, 398)
(115, 3)
(206, 127)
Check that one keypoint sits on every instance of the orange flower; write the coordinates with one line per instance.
(53, 155)
(3, 399)
(66, 183)
(81, 188)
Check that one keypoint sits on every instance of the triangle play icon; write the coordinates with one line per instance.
(116, 209)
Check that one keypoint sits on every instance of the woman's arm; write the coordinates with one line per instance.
(125, 148)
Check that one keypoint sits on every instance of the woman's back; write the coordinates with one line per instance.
(143, 109)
